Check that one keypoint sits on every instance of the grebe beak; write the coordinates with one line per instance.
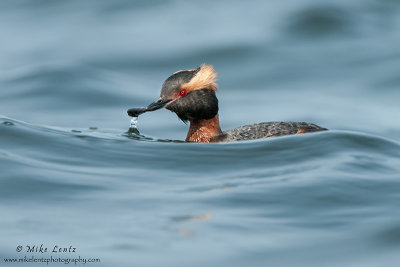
(160, 103)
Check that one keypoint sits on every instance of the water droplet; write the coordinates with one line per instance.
(134, 121)
(133, 126)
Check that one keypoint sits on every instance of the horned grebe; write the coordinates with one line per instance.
(191, 95)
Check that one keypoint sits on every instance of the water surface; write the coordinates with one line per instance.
(73, 175)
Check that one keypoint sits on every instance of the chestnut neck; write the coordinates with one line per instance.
(204, 131)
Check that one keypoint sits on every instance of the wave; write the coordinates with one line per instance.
(101, 144)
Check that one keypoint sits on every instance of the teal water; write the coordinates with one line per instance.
(73, 175)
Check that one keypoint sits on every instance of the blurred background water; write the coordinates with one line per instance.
(72, 175)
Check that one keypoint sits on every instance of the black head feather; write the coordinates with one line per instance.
(176, 80)
(196, 105)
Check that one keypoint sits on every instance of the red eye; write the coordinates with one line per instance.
(183, 92)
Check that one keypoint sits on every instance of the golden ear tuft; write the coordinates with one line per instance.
(205, 78)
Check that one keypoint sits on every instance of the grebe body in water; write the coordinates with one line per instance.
(191, 94)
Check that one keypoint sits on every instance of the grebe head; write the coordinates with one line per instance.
(188, 93)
